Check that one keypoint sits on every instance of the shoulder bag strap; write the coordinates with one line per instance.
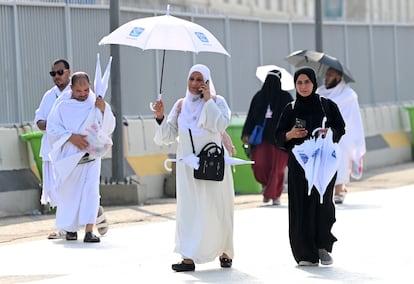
(323, 108)
(191, 137)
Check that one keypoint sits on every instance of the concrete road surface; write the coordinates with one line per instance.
(375, 245)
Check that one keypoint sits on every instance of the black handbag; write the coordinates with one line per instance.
(211, 164)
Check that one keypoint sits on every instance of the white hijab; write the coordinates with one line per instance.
(193, 104)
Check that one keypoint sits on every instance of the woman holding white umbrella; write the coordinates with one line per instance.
(204, 222)
(310, 221)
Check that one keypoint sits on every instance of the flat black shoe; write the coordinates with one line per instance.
(91, 238)
(225, 262)
(71, 236)
(181, 266)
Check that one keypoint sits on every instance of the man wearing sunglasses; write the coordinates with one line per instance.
(60, 74)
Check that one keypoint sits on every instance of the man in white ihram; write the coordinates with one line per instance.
(61, 77)
(352, 144)
(79, 130)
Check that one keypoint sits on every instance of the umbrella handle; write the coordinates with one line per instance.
(151, 103)
(316, 131)
(319, 128)
(166, 167)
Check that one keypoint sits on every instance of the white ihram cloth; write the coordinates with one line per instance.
(204, 220)
(77, 184)
(352, 144)
(46, 104)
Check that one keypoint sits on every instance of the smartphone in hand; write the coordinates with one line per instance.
(300, 123)
(201, 94)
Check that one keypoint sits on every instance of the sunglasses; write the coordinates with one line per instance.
(59, 72)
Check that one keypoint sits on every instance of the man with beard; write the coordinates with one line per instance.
(352, 144)
(60, 74)
(78, 127)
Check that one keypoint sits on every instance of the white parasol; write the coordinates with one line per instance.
(319, 158)
(99, 141)
(307, 154)
(286, 80)
(328, 165)
(101, 82)
(165, 33)
(193, 161)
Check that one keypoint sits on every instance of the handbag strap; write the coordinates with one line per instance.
(191, 137)
(265, 118)
(320, 101)
(192, 143)
(322, 106)
(264, 122)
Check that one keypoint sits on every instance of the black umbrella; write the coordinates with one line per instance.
(319, 61)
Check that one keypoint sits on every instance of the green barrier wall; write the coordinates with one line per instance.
(410, 110)
(244, 181)
(35, 140)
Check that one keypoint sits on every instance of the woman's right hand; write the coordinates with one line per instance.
(158, 108)
(296, 132)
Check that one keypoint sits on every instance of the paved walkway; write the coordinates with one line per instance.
(38, 226)
(374, 243)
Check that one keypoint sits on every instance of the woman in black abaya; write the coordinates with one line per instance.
(270, 161)
(310, 222)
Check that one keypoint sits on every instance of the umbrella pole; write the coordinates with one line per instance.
(162, 71)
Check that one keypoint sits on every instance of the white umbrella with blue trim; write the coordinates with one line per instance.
(165, 33)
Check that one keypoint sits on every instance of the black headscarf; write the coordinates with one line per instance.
(271, 86)
(311, 109)
(306, 106)
(270, 94)
(308, 72)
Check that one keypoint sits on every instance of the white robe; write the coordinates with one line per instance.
(204, 220)
(352, 144)
(42, 112)
(77, 184)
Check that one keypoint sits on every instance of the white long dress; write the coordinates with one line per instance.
(352, 144)
(204, 224)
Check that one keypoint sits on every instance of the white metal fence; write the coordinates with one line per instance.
(33, 35)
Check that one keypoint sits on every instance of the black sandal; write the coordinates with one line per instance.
(225, 262)
(91, 238)
(182, 266)
(71, 236)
